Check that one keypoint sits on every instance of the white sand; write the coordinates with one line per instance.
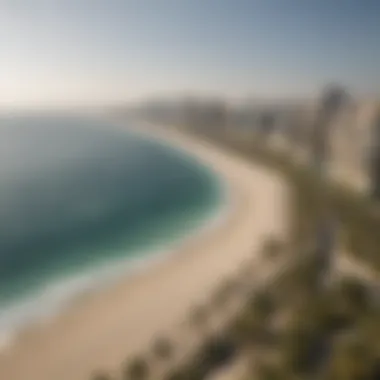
(102, 330)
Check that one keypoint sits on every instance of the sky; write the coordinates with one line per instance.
(90, 52)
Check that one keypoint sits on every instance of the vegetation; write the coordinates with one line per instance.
(272, 248)
(323, 331)
(137, 369)
(333, 331)
(163, 349)
(179, 375)
(355, 212)
(300, 331)
(199, 318)
(223, 295)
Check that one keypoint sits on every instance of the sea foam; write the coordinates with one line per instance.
(44, 303)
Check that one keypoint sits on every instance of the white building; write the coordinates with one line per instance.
(352, 144)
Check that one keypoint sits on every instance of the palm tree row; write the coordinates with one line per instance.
(284, 322)
(215, 343)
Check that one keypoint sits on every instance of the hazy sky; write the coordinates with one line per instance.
(94, 51)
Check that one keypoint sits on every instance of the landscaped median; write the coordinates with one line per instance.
(357, 214)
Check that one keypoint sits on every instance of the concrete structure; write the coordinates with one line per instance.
(354, 140)
(352, 145)
(353, 137)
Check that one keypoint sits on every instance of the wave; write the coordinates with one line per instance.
(49, 302)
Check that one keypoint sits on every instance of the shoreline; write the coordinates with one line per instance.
(26, 312)
(101, 331)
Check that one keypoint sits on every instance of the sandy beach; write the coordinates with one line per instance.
(102, 330)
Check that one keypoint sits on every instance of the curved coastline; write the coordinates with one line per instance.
(103, 330)
(69, 290)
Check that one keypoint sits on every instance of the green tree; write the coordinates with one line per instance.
(199, 318)
(225, 294)
(272, 247)
(137, 369)
(354, 296)
(351, 359)
(253, 325)
(163, 349)
(296, 350)
(262, 305)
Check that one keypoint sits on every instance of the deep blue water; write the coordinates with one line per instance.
(79, 196)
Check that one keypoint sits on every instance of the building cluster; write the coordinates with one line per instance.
(353, 130)
(352, 139)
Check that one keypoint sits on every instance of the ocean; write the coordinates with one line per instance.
(84, 202)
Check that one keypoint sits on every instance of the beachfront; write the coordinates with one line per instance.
(101, 331)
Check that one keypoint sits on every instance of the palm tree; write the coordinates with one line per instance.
(225, 293)
(265, 371)
(245, 329)
(370, 327)
(354, 296)
(136, 369)
(351, 359)
(297, 347)
(176, 375)
(163, 348)
(272, 247)
(262, 305)
(199, 318)
(252, 325)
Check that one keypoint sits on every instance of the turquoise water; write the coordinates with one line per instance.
(83, 202)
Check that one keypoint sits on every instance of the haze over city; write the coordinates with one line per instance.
(189, 189)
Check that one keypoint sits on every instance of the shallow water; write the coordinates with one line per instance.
(82, 202)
